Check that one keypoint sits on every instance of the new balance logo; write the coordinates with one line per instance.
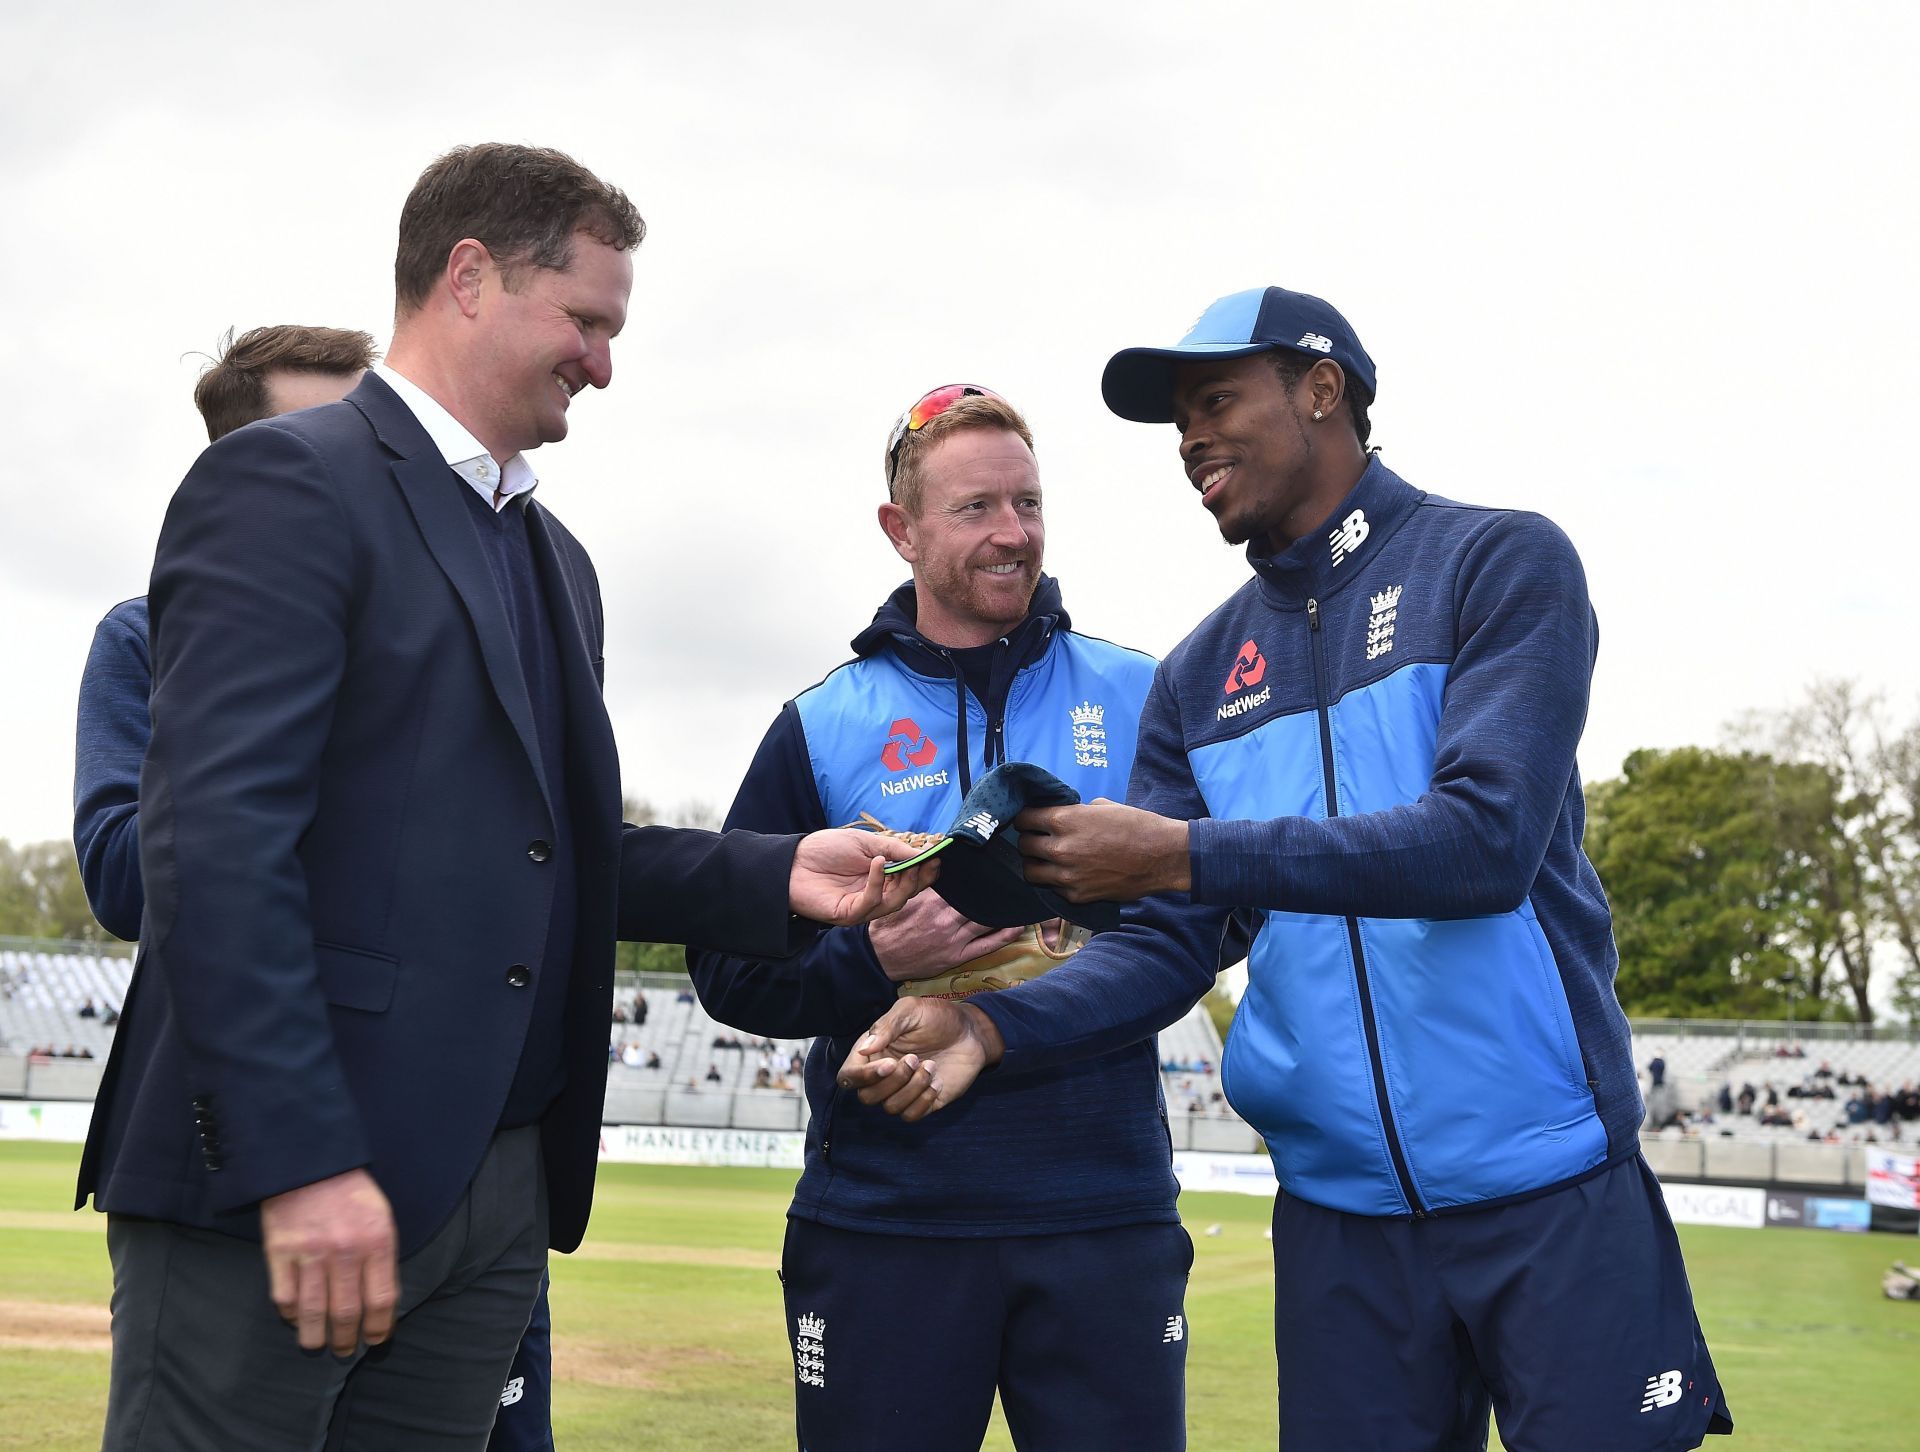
(1176, 1330)
(1319, 342)
(1352, 532)
(513, 1391)
(1662, 1391)
(983, 823)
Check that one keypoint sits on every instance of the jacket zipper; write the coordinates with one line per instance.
(996, 749)
(1353, 927)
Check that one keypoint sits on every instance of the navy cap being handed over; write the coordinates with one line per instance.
(1138, 383)
(981, 872)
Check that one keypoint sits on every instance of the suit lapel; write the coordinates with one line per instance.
(430, 490)
(592, 758)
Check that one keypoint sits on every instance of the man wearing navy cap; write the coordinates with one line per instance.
(1037, 1224)
(1368, 751)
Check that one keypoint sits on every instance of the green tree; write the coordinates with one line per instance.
(659, 957)
(1871, 869)
(1712, 863)
(41, 895)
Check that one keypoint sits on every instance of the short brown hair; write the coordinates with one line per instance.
(975, 411)
(232, 392)
(523, 203)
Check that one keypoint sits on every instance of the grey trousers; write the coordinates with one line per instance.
(202, 1361)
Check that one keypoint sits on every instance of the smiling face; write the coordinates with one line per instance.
(1245, 446)
(975, 538)
(544, 335)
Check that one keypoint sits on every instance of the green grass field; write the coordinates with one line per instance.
(668, 1330)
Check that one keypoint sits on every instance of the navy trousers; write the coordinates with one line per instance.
(525, 1420)
(900, 1341)
(1569, 1315)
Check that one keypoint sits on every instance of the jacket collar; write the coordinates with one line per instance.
(431, 490)
(1321, 562)
(895, 624)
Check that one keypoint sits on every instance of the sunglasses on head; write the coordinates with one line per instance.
(924, 412)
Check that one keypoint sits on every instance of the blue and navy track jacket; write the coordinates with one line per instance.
(1374, 742)
(896, 733)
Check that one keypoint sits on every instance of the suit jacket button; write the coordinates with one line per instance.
(539, 850)
(518, 976)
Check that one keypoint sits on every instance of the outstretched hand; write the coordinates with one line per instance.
(840, 876)
(1102, 851)
(923, 1054)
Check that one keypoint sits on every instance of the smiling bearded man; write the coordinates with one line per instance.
(1042, 1222)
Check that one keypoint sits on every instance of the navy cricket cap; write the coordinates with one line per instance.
(1138, 383)
(980, 867)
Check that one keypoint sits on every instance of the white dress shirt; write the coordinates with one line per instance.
(465, 455)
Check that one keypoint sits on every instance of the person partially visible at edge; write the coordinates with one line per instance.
(1368, 749)
(1042, 1220)
(355, 1094)
(265, 372)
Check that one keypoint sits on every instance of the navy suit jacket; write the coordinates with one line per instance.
(345, 838)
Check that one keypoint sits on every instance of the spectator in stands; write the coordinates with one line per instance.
(685, 995)
(89, 1009)
(630, 1055)
(762, 1078)
(653, 1059)
(1882, 1108)
(1748, 1096)
(639, 1008)
(619, 1013)
(1825, 1071)
(713, 1073)
(1725, 1097)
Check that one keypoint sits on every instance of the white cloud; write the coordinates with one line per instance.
(1640, 267)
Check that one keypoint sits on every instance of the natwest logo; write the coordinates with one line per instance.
(907, 746)
(1248, 670)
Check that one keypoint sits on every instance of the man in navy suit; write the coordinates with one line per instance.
(384, 866)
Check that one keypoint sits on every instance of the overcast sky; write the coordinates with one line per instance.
(1646, 268)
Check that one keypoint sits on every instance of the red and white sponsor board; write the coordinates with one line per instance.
(1893, 1179)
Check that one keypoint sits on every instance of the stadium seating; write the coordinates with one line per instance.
(42, 990)
(43, 986)
(684, 1035)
